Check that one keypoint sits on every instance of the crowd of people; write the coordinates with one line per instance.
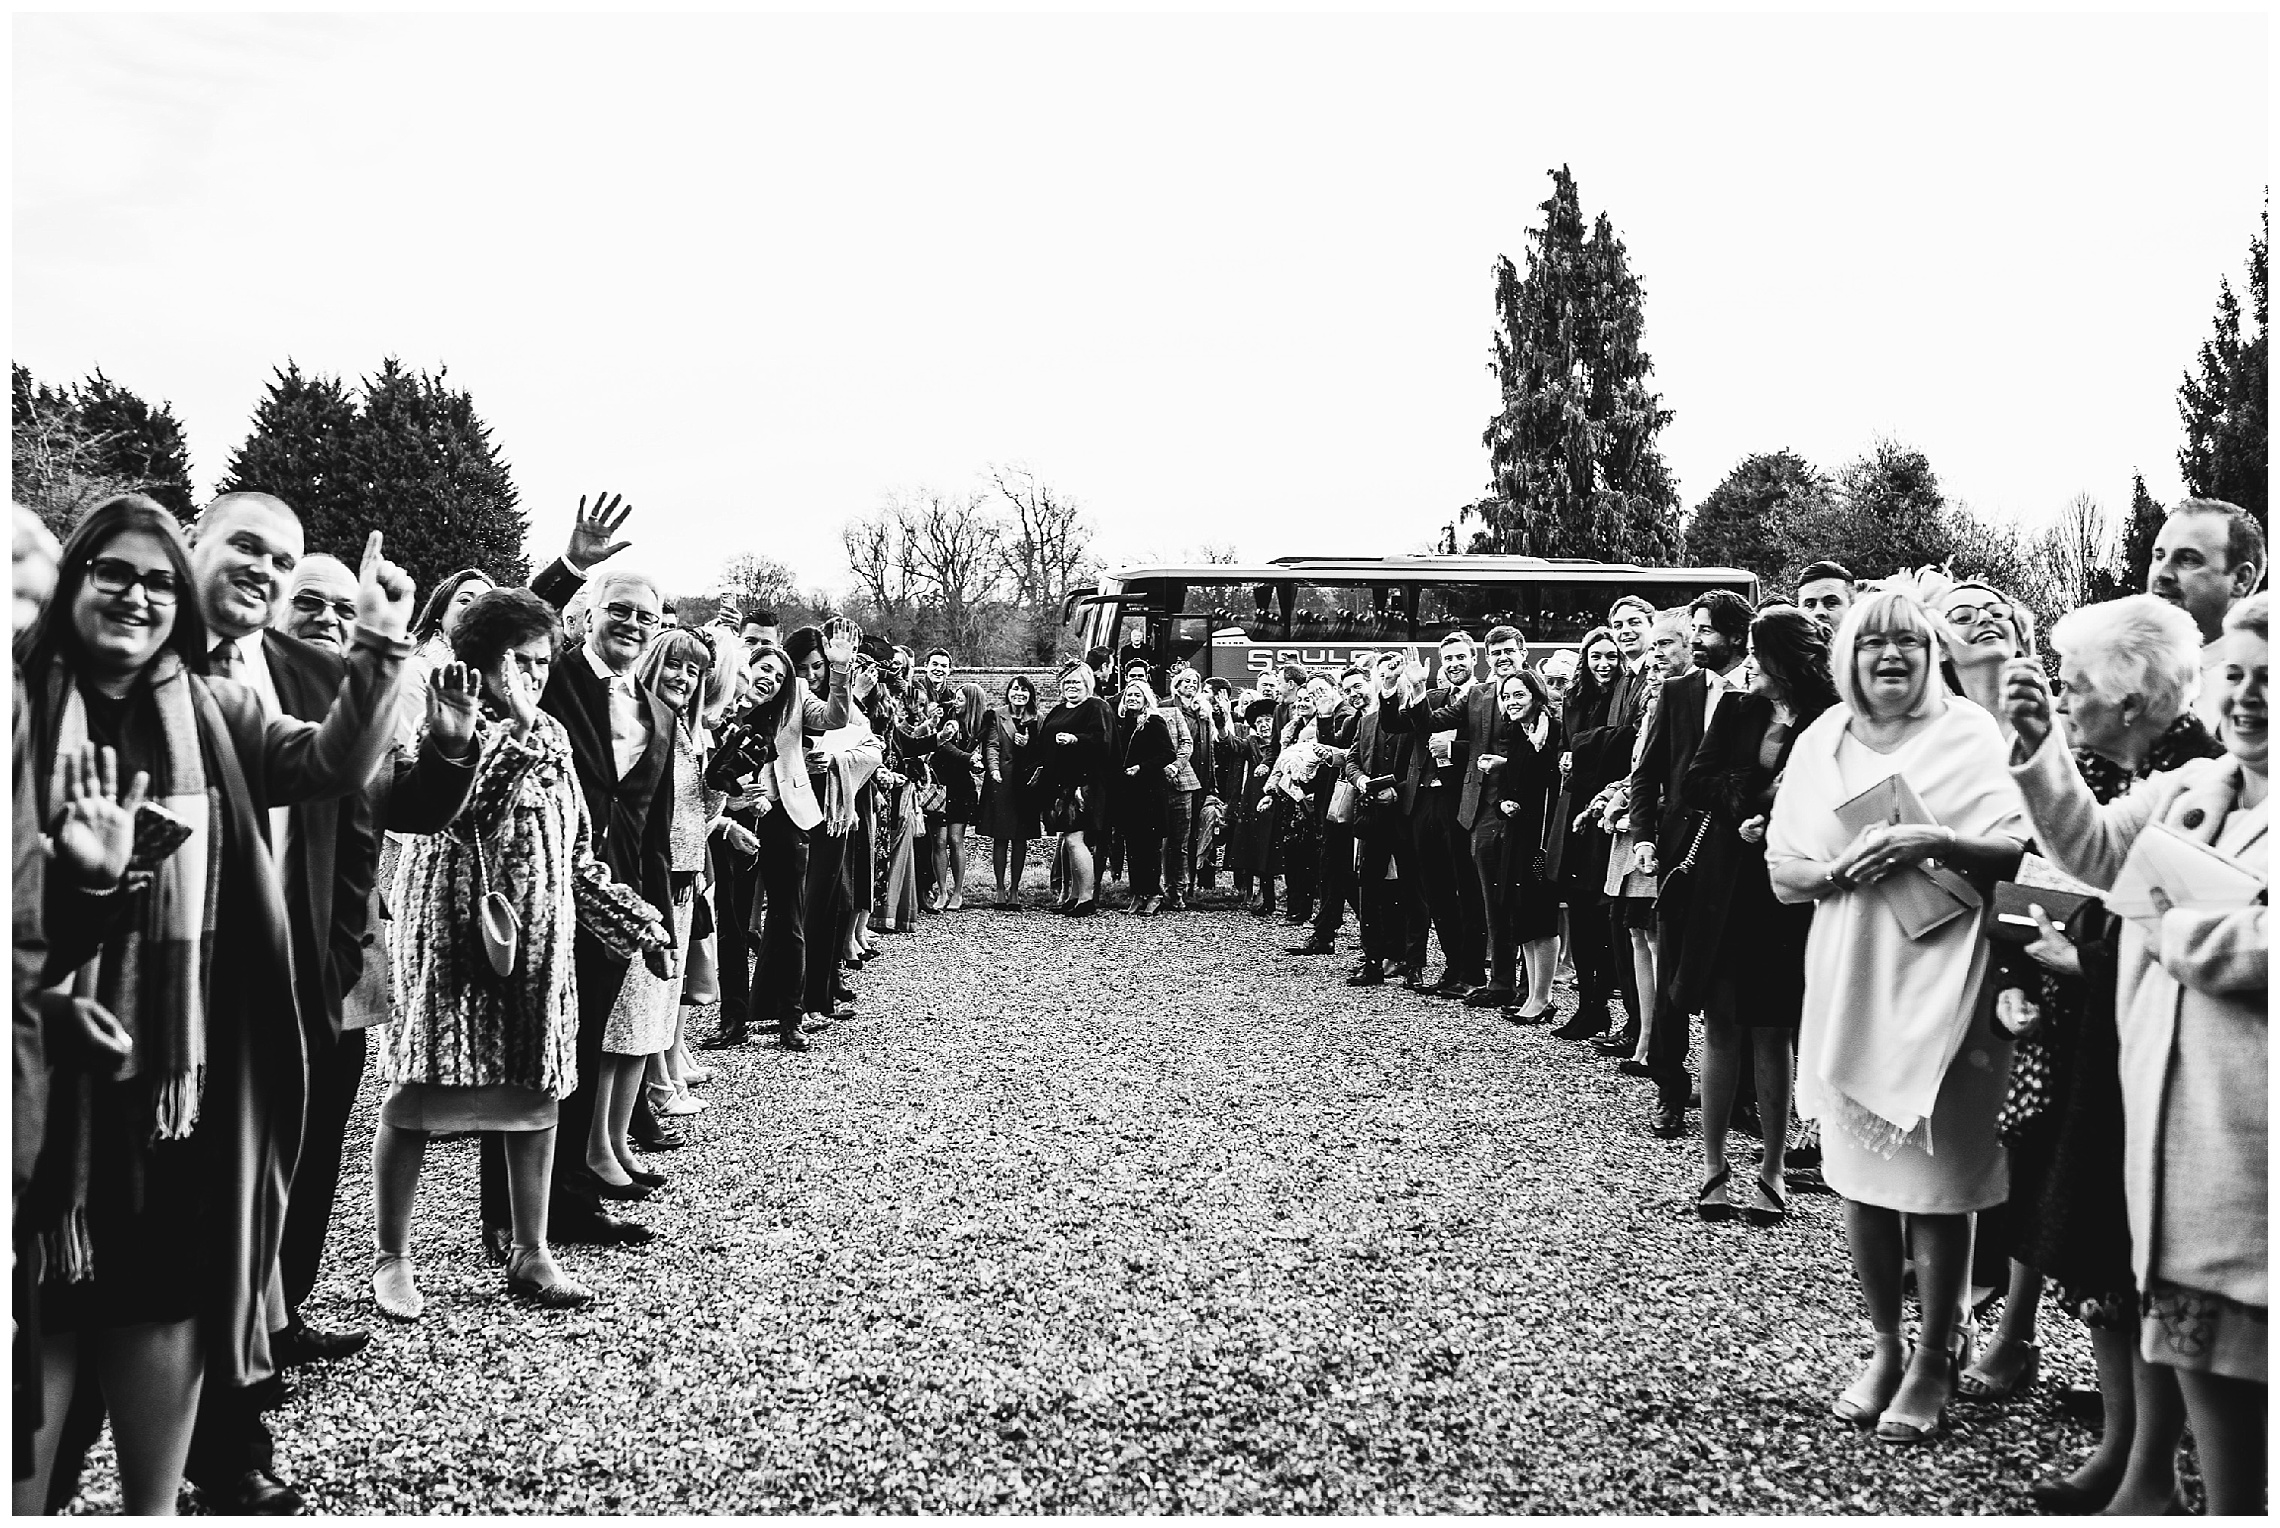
(1844, 871)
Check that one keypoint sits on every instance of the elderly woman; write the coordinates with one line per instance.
(159, 1193)
(2191, 1009)
(1905, 1084)
(1073, 752)
(1741, 962)
(2127, 671)
(488, 1037)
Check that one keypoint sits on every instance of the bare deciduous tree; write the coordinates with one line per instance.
(1046, 549)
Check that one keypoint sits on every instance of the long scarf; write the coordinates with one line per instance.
(152, 974)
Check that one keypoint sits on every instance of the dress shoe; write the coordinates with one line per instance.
(1630, 1068)
(1451, 986)
(623, 1193)
(1491, 997)
(791, 1040)
(497, 1241)
(1316, 946)
(597, 1227)
(1415, 981)
(301, 1343)
(1587, 1022)
(843, 993)
(1175, 904)
(1523, 1017)
(646, 1177)
(659, 1138)
(1670, 1122)
(815, 1023)
(1298, 916)
(558, 1292)
(1622, 1043)
(256, 1493)
(1369, 974)
(729, 1037)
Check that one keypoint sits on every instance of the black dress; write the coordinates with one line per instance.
(1743, 960)
(1072, 772)
(1527, 779)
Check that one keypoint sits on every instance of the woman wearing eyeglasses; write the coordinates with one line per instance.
(1896, 1056)
(159, 1195)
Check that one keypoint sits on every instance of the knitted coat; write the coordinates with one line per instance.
(461, 1025)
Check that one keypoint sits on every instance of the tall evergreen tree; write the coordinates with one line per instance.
(2223, 406)
(2139, 532)
(1573, 465)
(407, 455)
(1745, 521)
(74, 445)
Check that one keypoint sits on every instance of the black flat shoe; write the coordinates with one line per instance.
(729, 1038)
(256, 1493)
(2061, 1497)
(1710, 1200)
(558, 1293)
(1370, 974)
(597, 1227)
(1630, 1068)
(792, 1040)
(646, 1178)
(300, 1343)
(621, 1193)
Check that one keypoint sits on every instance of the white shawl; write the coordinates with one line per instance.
(1884, 1014)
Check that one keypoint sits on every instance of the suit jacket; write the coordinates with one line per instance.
(1480, 727)
(335, 844)
(631, 819)
(1658, 784)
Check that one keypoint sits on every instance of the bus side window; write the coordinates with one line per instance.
(1346, 613)
(1472, 609)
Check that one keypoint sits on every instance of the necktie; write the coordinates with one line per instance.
(224, 660)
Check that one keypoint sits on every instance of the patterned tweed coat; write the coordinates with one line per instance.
(460, 1025)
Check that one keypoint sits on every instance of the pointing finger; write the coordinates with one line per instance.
(371, 555)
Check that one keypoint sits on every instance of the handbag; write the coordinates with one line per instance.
(496, 926)
(1345, 801)
(1065, 813)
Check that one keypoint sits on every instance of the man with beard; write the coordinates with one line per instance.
(1721, 630)
(2207, 559)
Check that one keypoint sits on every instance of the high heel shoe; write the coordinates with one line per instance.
(1861, 1404)
(1914, 1430)
(1975, 1385)
(561, 1292)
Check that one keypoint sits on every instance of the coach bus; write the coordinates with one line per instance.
(1236, 621)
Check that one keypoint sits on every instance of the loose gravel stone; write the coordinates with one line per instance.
(1141, 1215)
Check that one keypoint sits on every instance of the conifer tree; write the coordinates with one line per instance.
(2224, 404)
(1745, 522)
(406, 455)
(1574, 469)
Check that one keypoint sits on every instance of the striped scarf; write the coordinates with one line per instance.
(152, 973)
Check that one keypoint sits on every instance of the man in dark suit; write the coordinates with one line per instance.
(1480, 728)
(1334, 881)
(1432, 791)
(327, 853)
(1381, 830)
(621, 745)
(1721, 636)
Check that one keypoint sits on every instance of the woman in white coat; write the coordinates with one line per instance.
(2193, 1018)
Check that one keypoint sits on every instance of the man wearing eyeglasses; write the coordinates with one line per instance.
(621, 744)
(320, 603)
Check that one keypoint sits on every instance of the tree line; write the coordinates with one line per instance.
(1574, 470)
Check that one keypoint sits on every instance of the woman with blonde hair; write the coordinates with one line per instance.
(1073, 753)
(1907, 1086)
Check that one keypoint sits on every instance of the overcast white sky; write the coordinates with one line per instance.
(1224, 279)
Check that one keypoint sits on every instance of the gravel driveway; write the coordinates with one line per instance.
(1124, 1216)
